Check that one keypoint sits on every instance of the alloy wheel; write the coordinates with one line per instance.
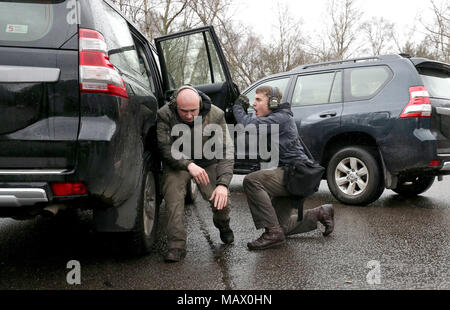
(351, 176)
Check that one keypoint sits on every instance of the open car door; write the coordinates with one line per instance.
(195, 57)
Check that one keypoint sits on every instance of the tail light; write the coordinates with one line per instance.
(69, 189)
(435, 163)
(97, 74)
(419, 103)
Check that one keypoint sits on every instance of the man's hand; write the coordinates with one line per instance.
(199, 174)
(243, 101)
(220, 197)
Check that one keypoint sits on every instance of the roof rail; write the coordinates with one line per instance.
(339, 62)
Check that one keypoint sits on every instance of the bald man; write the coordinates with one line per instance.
(188, 112)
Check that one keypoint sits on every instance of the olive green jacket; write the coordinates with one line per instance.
(224, 156)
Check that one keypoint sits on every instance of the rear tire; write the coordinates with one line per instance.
(413, 186)
(354, 176)
(141, 239)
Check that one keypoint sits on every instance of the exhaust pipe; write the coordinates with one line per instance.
(52, 210)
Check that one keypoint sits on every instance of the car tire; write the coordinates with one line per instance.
(413, 186)
(141, 239)
(354, 176)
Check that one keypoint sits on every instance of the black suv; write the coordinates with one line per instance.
(79, 91)
(374, 123)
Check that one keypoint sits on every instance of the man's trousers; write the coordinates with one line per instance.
(270, 203)
(174, 190)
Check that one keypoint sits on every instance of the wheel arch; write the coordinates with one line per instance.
(357, 138)
(347, 139)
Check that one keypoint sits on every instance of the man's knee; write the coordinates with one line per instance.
(251, 181)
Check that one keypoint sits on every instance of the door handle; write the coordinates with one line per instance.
(328, 114)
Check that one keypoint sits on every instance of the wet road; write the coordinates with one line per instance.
(395, 243)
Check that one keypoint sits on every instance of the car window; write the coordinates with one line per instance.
(280, 83)
(436, 82)
(144, 69)
(219, 76)
(187, 60)
(366, 82)
(315, 89)
(43, 24)
(336, 92)
(122, 50)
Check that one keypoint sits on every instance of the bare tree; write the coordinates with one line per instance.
(438, 33)
(421, 49)
(342, 32)
(379, 34)
(165, 15)
(242, 49)
(131, 8)
(287, 48)
(251, 57)
(210, 11)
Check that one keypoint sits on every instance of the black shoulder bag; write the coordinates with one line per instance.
(302, 179)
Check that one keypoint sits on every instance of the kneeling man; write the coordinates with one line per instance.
(268, 199)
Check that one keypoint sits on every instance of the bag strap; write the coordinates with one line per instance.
(297, 203)
(308, 153)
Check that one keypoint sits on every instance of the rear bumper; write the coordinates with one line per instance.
(411, 151)
(18, 195)
(109, 173)
(22, 197)
(445, 168)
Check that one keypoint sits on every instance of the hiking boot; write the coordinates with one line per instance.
(272, 237)
(175, 255)
(226, 235)
(326, 218)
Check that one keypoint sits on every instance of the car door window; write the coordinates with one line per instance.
(316, 89)
(366, 82)
(191, 59)
(282, 84)
(122, 50)
(219, 76)
(145, 76)
(336, 92)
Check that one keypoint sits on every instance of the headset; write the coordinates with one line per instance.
(173, 98)
(274, 101)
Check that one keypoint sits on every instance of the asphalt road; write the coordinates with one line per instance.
(395, 243)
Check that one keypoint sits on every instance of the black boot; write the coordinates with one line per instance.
(326, 218)
(226, 234)
(272, 237)
(175, 255)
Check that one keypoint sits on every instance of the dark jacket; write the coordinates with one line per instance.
(290, 147)
(168, 117)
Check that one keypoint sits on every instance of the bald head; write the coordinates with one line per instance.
(188, 105)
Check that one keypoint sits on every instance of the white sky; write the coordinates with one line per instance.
(262, 14)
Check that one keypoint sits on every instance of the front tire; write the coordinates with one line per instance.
(354, 176)
(414, 185)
